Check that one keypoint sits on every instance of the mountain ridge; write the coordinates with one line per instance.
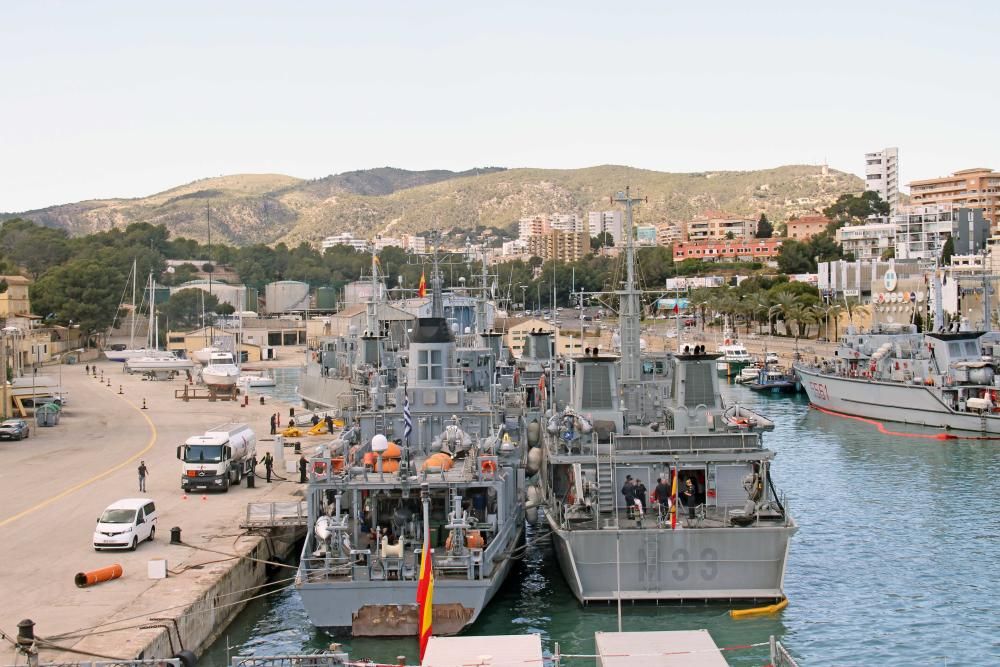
(271, 208)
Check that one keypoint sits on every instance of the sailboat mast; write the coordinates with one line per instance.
(153, 343)
(135, 279)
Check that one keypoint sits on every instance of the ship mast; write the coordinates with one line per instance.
(628, 315)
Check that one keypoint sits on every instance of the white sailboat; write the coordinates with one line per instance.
(130, 352)
(153, 360)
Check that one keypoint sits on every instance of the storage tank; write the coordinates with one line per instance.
(285, 295)
(326, 298)
(253, 297)
(234, 295)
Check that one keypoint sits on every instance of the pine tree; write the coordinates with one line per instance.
(764, 227)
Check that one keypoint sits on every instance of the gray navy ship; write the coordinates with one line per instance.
(432, 441)
(634, 417)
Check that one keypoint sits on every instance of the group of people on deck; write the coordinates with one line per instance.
(635, 494)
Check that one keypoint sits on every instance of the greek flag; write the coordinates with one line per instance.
(407, 418)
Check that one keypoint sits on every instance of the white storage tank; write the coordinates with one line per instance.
(234, 295)
(285, 295)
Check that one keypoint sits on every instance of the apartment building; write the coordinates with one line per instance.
(806, 227)
(882, 176)
(567, 223)
(535, 225)
(612, 222)
(669, 233)
(561, 246)
(868, 241)
(415, 244)
(971, 188)
(736, 250)
(347, 239)
(14, 300)
(717, 225)
(921, 231)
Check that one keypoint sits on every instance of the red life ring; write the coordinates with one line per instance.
(489, 466)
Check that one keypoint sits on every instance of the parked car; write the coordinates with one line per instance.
(14, 429)
(771, 358)
(125, 523)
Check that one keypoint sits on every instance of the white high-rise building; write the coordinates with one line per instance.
(882, 176)
(611, 222)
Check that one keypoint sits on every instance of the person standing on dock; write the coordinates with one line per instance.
(268, 466)
(329, 424)
(86, 369)
(143, 472)
(315, 419)
(274, 426)
(303, 464)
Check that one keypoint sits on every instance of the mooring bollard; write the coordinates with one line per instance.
(120, 390)
(175, 535)
(144, 404)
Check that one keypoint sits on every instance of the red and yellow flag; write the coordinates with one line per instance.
(425, 594)
(673, 508)
(422, 287)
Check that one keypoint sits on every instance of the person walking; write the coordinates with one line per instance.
(274, 426)
(268, 466)
(86, 369)
(329, 424)
(315, 419)
(143, 473)
(303, 464)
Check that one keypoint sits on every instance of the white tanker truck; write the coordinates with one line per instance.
(218, 459)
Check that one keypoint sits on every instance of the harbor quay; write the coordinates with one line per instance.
(55, 484)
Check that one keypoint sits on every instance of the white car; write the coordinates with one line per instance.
(125, 523)
(771, 358)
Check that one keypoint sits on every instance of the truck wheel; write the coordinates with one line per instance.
(225, 485)
(239, 476)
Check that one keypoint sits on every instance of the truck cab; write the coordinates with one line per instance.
(218, 459)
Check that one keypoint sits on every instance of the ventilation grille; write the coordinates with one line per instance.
(596, 387)
(698, 385)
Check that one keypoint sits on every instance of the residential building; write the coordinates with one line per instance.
(868, 241)
(562, 246)
(516, 329)
(717, 225)
(612, 222)
(415, 244)
(515, 248)
(806, 227)
(535, 225)
(566, 222)
(645, 235)
(882, 176)
(14, 301)
(972, 188)
(383, 242)
(669, 233)
(346, 238)
(736, 250)
(921, 231)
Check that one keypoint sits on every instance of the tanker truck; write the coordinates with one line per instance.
(219, 458)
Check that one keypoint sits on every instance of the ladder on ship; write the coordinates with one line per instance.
(652, 558)
(605, 479)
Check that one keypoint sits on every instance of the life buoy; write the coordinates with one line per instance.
(319, 468)
(489, 466)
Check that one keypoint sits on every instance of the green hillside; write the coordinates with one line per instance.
(254, 208)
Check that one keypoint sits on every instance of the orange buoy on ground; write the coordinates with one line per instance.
(84, 579)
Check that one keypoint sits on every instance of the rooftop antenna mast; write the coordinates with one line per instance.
(629, 296)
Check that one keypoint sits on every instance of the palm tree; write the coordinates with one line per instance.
(834, 310)
(852, 306)
(761, 303)
(785, 303)
(802, 316)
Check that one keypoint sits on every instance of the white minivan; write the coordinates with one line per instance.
(125, 523)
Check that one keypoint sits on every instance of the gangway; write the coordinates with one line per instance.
(277, 514)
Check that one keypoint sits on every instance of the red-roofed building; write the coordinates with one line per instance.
(806, 227)
(737, 250)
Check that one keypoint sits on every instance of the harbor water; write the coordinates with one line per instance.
(894, 563)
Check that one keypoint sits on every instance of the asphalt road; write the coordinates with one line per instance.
(54, 485)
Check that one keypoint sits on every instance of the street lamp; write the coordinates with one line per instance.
(538, 295)
(524, 300)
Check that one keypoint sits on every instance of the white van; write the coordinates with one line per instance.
(125, 523)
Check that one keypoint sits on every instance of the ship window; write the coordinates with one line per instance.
(971, 348)
(596, 387)
(429, 365)
(954, 349)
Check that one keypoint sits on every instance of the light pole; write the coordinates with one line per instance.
(524, 299)
(538, 295)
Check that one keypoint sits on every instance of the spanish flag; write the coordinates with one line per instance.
(673, 508)
(422, 287)
(425, 594)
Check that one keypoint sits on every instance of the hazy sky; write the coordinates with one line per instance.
(105, 99)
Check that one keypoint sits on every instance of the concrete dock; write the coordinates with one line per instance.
(54, 485)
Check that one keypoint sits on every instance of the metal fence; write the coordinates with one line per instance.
(312, 660)
(165, 662)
